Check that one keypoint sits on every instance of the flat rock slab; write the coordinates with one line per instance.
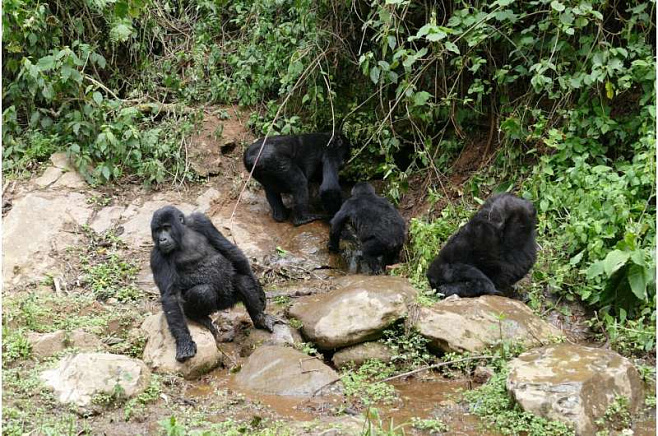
(472, 324)
(33, 228)
(356, 313)
(160, 349)
(573, 384)
(277, 370)
(78, 378)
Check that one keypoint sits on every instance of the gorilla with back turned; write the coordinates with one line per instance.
(378, 225)
(494, 250)
(198, 272)
(287, 164)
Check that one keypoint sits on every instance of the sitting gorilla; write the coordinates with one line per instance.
(494, 250)
(199, 272)
(378, 225)
(287, 163)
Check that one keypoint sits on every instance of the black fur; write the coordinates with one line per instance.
(378, 225)
(494, 250)
(287, 164)
(199, 272)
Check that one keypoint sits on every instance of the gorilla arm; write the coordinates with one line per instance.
(164, 277)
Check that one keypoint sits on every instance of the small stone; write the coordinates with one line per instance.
(48, 177)
(71, 179)
(46, 344)
(359, 354)
(84, 341)
(59, 160)
(482, 374)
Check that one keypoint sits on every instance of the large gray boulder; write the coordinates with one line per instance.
(277, 370)
(356, 313)
(573, 384)
(33, 229)
(160, 349)
(78, 378)
(473, 324)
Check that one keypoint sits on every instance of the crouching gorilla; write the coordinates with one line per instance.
(494, 250)
(378, 225)
(199, 272)
(287, 163)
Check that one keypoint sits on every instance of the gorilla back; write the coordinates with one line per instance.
(286, 165)
(494, 250)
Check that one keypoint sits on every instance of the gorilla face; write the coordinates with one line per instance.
(166, 229)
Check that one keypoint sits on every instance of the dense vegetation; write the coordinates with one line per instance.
(555, 98)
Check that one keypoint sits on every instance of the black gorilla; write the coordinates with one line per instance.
(378, 225)
(494, 250)
(287, 163)
(199, 272)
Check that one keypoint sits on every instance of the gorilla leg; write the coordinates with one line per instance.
(279, 211)
(372, 249)
(463, 280)
(199, 302)
(253, 297)
(298, 185)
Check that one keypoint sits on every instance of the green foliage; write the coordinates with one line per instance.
(14, 345)
(410, 348)
(112, 278)
(431, 426)
(494, 404)
(617, 416)
(363, 384)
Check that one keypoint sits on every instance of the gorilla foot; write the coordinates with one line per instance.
(281, 215)
(185, 350)
(305, 219)
(264, 322)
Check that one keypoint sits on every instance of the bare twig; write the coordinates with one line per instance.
(436, 365)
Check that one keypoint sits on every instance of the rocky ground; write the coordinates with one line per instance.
(86, 348)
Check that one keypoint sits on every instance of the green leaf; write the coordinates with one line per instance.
(577, 258)
(420, 98)
(451, 46)
(98, 97)
(374, 75)
(595, 269)
(46, 63)
(637, 282)
(615, 260)
(106, 172)
(609, 90)
(436, 36)
(557, 6)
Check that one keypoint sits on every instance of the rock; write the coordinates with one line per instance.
(358, 354)
(253, 338)
(48, 177)
(46, 344)
(205, 200)
(160, 350)
(472, 324)
(106, 218)
(71, 179)
(82, 340)
(32, 229)
(482, 374)
(276, 370)
(356, 313)
(78, 378)
(573, 384)
(59, 160)
(137, 229)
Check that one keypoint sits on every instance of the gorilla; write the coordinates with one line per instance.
(378, 225)
(198, 272)
(494, 250)
(287, 164)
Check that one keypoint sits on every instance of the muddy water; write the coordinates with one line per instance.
(425, 399)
